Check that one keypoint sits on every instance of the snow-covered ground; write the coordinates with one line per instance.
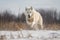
(30, 35)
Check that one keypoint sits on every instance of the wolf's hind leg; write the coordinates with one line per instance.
(42, 27)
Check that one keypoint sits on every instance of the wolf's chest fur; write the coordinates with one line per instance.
(31, 19)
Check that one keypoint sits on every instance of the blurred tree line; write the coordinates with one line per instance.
(50, 16)
(7, 16)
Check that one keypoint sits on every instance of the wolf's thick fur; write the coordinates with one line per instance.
(33, 18)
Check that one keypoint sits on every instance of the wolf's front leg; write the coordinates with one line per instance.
(32, 24)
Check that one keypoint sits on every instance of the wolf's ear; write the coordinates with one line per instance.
(26, 9)
(31, 8)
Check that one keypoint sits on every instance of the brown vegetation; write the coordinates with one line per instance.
(12, 26)
(52, 26)
(19, 25)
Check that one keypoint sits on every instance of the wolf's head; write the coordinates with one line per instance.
(28, 11)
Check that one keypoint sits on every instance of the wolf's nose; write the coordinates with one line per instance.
(28, 16)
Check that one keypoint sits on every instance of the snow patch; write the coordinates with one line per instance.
(30, 34)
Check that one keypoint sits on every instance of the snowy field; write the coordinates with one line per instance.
(30, 35)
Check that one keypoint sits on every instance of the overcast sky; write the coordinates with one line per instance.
(14, 5)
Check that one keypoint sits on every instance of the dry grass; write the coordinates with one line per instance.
(12, 26)
(52, 26)
(20, 25)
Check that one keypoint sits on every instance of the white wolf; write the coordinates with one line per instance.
(33, 18)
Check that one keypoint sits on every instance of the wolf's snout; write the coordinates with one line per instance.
(28, 16)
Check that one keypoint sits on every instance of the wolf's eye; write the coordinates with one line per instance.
(30, 12)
